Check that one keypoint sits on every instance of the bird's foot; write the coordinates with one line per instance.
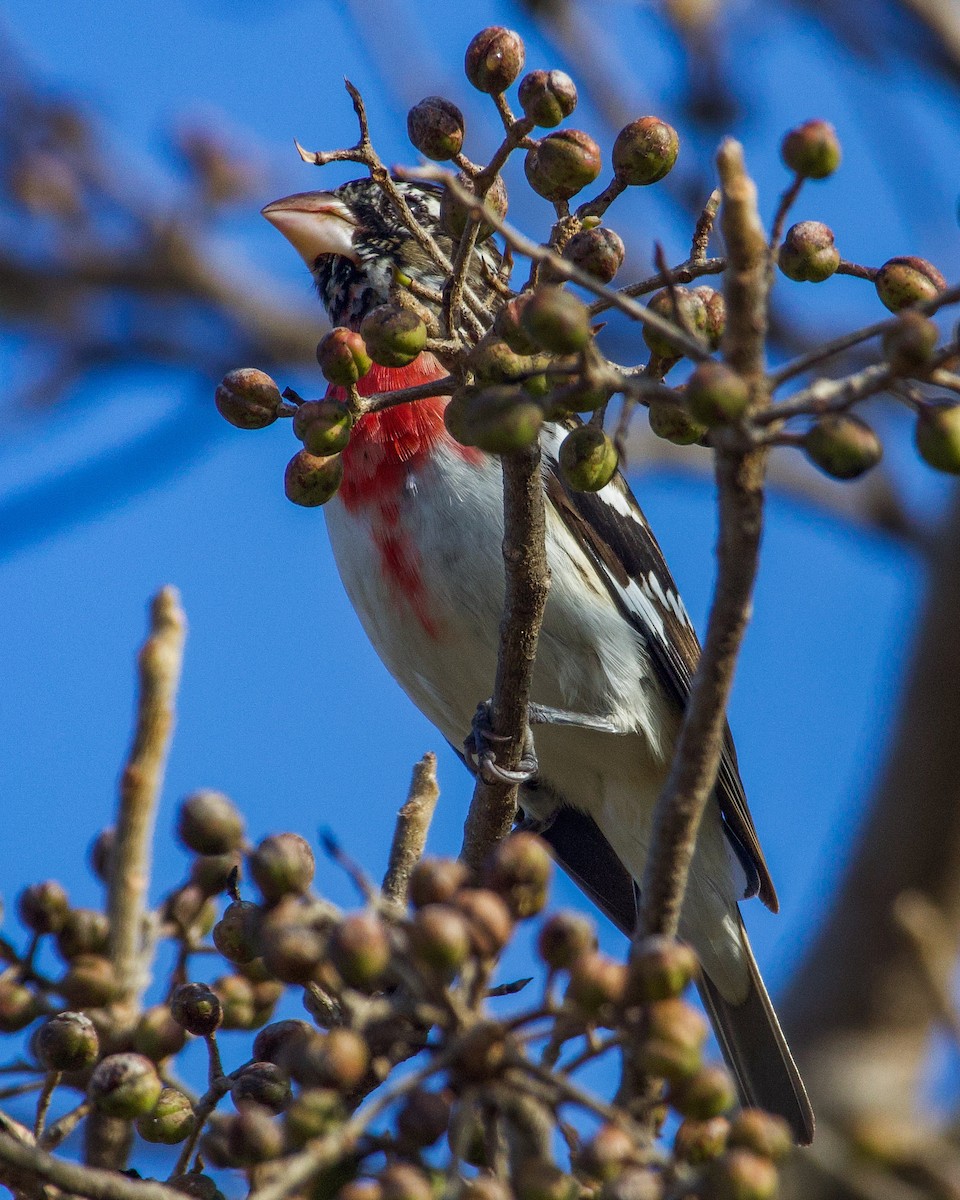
(541, 714)
(481, 757)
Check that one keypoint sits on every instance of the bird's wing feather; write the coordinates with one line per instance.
(613, 529)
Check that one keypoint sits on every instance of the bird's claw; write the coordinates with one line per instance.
(482, 760)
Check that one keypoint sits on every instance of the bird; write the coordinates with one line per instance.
(416, 530)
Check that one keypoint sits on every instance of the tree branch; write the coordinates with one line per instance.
(410, 833)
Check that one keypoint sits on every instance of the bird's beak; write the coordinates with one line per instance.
(314, 223)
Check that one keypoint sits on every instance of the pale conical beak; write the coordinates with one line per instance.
(314, 223)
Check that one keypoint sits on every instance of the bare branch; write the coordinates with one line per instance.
(410, 833)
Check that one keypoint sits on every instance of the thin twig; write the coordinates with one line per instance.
(92, 1182)
(410, 832)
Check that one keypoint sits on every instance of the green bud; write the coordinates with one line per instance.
(599, 251)
(911, 343)
(808, 253)
(907, 280)
(67, 1042)
(125, 1085)
(343, 357)
(842, 446)
(435, 127)
(645, 151)
(171, 1120)
(556, 320)
(562, 164)
(937, 435)
(691, 308)
(547, 97)
(811, 149)
(716, 394)
(311, 480)
(394, 337)
(673, 421)
(588, 458)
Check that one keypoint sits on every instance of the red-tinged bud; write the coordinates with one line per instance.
(311, 1114)
(488, 920)
(248, 399)
(907, 280)
(124, 1085)
(394, 336)
(508, 326)
(197, 1008)
(339, 1059)
(566, 936)
(911, 343)
(709, 1093)
(536, 1179)
(437, 880)
(238, 1000)
(562, 164)
(196, 1185)
(282, 865)
(599, 251)
(716, 394)
(494, 59)
(937, 435)
(343, 357)
(498, 419)
(597, 985)
(607, 1153)
(43, 907)
(672, 1035)
(311, 480)
(492, 361)
(635, 1183)
(454, 214)
(692, 311)
(698, 1142)
(716, 308)
(660, 968)
(89, 982)
(809, 253)
(84, 931)
(263, 1084)
(101, 854)
(762, 1133)
(237, 934)
(547, 97)
(171, 1121)
(253, 1136)
(556, 320)
(588, 459)
(740, 1175)
(645, 151)
(67, 1042)
(480, 1052)
(157, 1035)
(435, 127)
(842, 446)
(360, 950)
(673, 421)
(519, 870)
(18, 1006)
(424, 1118)
(440, 938)
(209, 822)
(811, 150)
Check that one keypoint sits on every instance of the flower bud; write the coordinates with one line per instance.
(435, 127)
(209, 822)
(492, 361)
(236, 934)
(910, 344)
(18, 1006)
(292, 949)
(480, 1052)
(43, 907)
(716, 308)
(709, 1093)
(660, 968)
(566, 936)
(808, 253)
(557, 320)
(124, 1085)
(740, 1175)
(454, 214)
(691, 309)
(424, 1118)
(499, 419)
(599, 251)
(672, 1035)
(716, 394)
(190, 910)
(253, 1136)
(907, 280)
(811, 150)
(310, 480)
(519, 870)
(89, 982)
(248, 399)
(607, 1153)
(494, 59)
(84, 931)
(562, 164)
(440, 939)
(343, 357)
(393, 336)
(157, 1035)
(762, 1133)
(588, 458)
(488, 920)
(282, 1042)
(360, 950)
(237, 998)
(339, 1060)
(673, 421)
(645, 151)
(842, 446)
(508, 325)
(937, 435)
(171, 1120)
(197, 1008)
(282, 864)
(211, 873)
(67, 1042)
(547, 97)
(263, 1084)
(436, 880)
(597, 983)
(697, 1142)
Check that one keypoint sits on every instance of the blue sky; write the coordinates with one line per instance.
(284, 705)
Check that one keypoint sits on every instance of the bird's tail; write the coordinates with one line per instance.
(757, 1052)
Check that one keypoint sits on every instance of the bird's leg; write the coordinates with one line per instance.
(540, 714)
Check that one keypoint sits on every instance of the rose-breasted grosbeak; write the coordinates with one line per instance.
(416, 530)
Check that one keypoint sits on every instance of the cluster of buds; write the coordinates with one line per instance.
(379, 986)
